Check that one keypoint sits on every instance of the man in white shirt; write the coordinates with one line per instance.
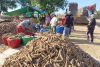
(53, 23)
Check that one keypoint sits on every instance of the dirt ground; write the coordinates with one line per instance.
(3, 48)
(79, 38)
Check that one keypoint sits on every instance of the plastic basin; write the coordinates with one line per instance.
(59, 29)
(14, 43)
(4, 40)
(25, 40)
(29, 33)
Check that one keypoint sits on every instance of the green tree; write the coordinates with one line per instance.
(98, 14)
(5, 4)
(52, 5)
(49, 5)
(24, 3)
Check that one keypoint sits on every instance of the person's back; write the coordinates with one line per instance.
(68, 21)
(53, 21)
(91, 27)
(72, 18)
(92, 24)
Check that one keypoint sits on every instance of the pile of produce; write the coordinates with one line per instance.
(7, 27)
(51, 51)
(12, 40)
(7, 35)
(14, 37)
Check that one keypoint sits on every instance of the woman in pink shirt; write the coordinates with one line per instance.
(47, 19)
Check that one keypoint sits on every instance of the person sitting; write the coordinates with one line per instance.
(25, 27)
(42, 29)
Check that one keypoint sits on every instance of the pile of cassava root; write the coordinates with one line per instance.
(7, 27)
(51, 51)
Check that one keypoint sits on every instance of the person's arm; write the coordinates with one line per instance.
(88, 19)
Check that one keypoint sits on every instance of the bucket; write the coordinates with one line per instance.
(59, 29)
(14, 43)
(5, 37)
(4, 40)
(25, 40)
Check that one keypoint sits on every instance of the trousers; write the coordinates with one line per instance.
(66, 31)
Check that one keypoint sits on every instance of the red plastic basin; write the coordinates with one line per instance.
(29, 33)
(14, 43)
(4, 40)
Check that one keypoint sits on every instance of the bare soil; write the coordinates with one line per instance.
(79, 38)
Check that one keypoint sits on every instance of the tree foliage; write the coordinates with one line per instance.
(98, 14)
(46, 5)
(52, 5)
(49, 5)
(5, 4)
(24, 3)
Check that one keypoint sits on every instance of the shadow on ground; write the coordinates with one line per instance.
(81, 41)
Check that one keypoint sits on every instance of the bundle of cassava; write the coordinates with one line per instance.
(51, 50)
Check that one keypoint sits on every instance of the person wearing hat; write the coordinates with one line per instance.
(67, 25)
(91, 27)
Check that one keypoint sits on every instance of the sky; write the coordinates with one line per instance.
(19, 6)
(83, 3)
